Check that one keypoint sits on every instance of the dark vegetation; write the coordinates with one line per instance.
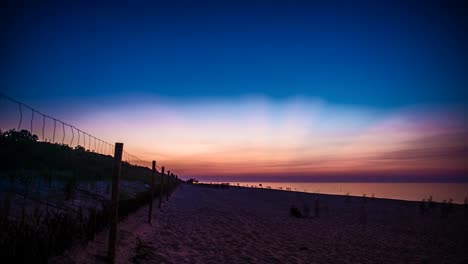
(44, 206)
(294, 211)
(21, 150)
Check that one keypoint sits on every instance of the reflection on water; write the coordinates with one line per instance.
(404, 191)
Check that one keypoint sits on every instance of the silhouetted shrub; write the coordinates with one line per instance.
(17, 136)
(317, 207)
(69, 188)
(80, 148)
(430, 203)
(422, 207)
(444, 209)
(450, 206)
(294, 211)
(465, 206)
(306, 209)
(348, 198)
(363, 215)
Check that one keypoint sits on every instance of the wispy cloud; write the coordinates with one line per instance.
(255, 135)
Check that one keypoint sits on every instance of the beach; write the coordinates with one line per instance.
(205, 224)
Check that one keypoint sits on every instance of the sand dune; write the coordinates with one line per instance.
(243, 225)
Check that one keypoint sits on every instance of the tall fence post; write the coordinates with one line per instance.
(114, 217)
(168, 186)
(161, 187)
(172, 183)
(153, 172)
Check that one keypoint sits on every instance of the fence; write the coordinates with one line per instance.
(60, 185)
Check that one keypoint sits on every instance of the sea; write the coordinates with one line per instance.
(413, 191)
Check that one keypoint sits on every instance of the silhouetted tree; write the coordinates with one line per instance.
(80, 148)
(17, 136)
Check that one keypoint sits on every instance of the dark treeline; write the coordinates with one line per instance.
(22, 150)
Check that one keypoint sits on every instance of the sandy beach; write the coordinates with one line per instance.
(244, 225)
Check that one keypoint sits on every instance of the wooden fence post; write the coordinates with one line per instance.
(168, 184)
(168, 178)
(153, 172)
(172, 183)
(114, 217)
(161, 187)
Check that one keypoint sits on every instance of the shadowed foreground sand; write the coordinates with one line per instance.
(242, 225)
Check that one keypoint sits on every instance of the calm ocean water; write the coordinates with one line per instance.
(403, 191)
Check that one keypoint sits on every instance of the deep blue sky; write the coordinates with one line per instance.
(372, 53)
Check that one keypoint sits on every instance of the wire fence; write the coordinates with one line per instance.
(53, 130)
(56, 184)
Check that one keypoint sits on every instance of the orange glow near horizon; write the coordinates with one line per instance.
(257, 136)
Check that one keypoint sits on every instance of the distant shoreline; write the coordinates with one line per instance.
(412, 192)
(339, 178)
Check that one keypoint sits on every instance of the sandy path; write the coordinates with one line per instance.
(241, 225)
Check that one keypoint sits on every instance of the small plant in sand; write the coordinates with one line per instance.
(47, 176)
(6, 206)
(294, 211)
(450, 206)
(25, 179)
(363, 215)
(422, 207)
(317, 207)
(430, 203)
(348, 198)
(444, 209)
(69, 188)
(123, 195)
(305, 208)
(465, 205)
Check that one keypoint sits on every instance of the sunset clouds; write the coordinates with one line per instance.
(260, 136)
(256, 135)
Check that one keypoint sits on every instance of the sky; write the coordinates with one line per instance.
(251, 88)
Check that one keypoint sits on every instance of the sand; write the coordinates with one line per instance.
(244, 225)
